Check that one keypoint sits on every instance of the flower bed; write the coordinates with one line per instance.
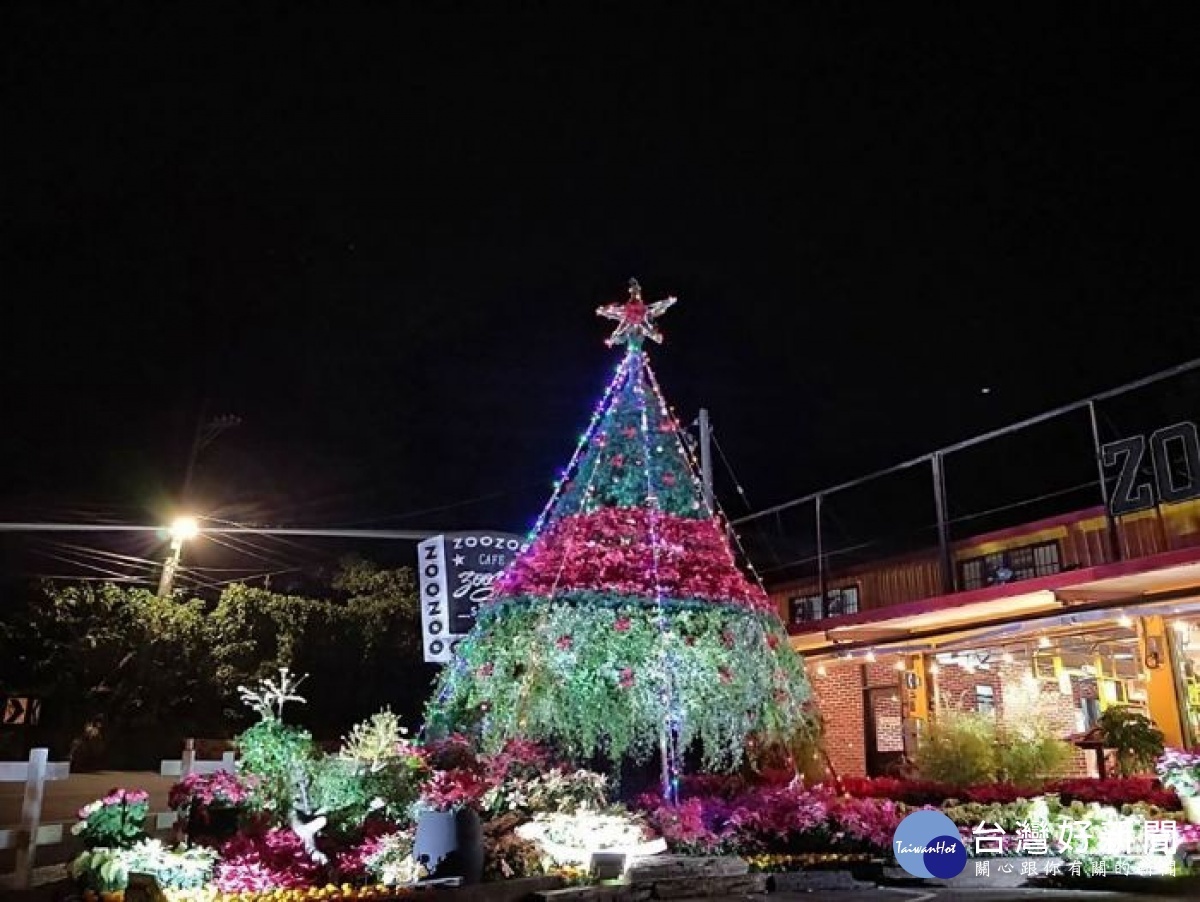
(783, 820)
(326, 893)
(1114, 791)
(314, 825)
(785, 828)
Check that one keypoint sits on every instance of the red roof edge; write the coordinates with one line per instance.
(1064, 580)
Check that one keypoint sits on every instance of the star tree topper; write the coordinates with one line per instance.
(635, 318)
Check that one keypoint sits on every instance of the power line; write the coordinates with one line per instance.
(404, 535)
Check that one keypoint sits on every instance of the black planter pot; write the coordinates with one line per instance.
(450, 844)
(212, 823)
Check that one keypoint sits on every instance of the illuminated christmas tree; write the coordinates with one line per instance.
(626, 627)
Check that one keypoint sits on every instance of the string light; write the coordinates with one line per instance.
(1125, 621)
(1043, 642)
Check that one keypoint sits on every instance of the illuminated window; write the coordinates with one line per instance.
(838, 603)
(985, 700)
(1010, 565)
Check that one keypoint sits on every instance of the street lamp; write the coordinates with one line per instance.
(182, 529)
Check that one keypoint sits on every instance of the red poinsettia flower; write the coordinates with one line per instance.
(622, 625)
(618, 460)
(563, 642)
(772, 641)
(627, 678)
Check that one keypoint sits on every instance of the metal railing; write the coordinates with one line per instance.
(1045, 465)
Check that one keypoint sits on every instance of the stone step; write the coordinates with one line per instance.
(668, 867)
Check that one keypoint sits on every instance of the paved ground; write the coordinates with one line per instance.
(65, 797)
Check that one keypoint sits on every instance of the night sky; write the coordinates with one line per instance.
(378, 236)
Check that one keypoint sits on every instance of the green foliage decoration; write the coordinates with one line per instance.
(386, 766)
(107, 869)
(1029, 761)
(959, 749)
(280, 756)
(587, 677)
(1138, 743)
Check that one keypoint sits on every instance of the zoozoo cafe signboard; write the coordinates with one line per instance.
(1163, 467)
(457, 571)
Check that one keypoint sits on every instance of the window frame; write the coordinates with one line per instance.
(817, 611)
(985, 563)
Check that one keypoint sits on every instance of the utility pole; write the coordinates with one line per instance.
(207, 431)
(706, 473)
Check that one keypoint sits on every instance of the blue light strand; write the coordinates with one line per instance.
(584, 441)
(674, 717)
(601, 414)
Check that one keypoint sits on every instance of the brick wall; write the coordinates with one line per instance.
(957, 689)
(839, 697)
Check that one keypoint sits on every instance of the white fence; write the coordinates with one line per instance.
(38, 771)
(35, 774)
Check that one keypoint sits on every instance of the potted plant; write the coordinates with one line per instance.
(1180, 771)
(115, 821)
(1134, 738)
(211, 804)
(449, 836)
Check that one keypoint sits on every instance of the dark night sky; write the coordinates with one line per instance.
(379, 235)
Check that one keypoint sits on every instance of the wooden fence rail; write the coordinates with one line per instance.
(38, 771)
(35, 774)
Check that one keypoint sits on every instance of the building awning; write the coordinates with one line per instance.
(1168, 582)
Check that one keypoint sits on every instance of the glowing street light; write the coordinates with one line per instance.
(182, 530)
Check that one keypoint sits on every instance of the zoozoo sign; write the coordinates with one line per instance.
(457, 571)
(1169, 483)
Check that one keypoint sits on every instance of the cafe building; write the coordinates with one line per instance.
(1058, 618)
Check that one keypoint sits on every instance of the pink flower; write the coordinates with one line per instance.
(622, 625)
(221, 789)
(627, 678)
(276, 859)
(454, 789)
(564, 642)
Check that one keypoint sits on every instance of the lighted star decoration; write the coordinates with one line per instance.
(635, 317)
